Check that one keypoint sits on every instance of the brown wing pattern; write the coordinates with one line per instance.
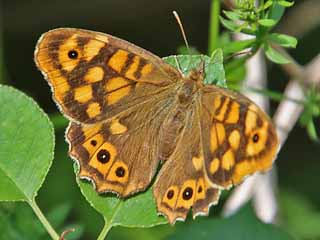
(181, 183)
(95, 76)
(121, 155)
(240, 139)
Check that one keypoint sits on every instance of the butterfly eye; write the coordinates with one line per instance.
(73, 54)
(187, 193)
(120, 172)
(255, 138)
(103, 156)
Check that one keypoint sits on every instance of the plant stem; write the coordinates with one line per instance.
(214, 25)
(107, 226)
(54, 235)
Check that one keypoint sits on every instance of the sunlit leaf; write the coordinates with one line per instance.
(26, 146)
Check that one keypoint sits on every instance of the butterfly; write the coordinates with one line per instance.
(130, 112)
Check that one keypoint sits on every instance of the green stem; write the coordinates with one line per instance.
(54, 235)
(214, 26)
(106, 228)
(108, 224)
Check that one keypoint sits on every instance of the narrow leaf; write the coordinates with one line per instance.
(283, 40)
(274, 55)
(229, 24)
(267, 22)
(286, 3)
(237, 46)
(232, 15)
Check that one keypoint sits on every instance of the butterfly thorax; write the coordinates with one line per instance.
(191, 84)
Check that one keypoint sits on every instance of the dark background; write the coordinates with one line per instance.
(151, 25)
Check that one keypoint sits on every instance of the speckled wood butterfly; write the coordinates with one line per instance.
(130, 112)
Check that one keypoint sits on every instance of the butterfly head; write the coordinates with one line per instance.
(197, 74)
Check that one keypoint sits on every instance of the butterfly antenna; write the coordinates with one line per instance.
(176, 15)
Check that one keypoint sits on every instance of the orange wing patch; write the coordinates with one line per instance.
(118, 60)
(94, 74)
(242, 140)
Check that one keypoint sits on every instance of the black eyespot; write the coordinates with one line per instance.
(187, 193)
(73, 54)
(93, 143)
(255, 138)
(199, 189)
(103, 156)
(170, 194)
(120, 172)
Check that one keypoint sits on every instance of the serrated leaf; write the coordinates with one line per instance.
(242, 226)
(267, 22)
(140, 210)
(214, 71)
(26, 146)
(283, 40)
(274, 56)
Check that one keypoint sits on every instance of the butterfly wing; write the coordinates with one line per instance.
(95, 76)
(181, 183)
(239, 138)
(121, 155)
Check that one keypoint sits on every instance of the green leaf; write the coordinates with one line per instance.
(274, 55)
(229, 24)
(242, 226)
(312, 132)
(26, 146)
(237, 46)
(136, 211)
(232, 15)
(283, 40)
(267, 22)
(266, 5)
(214, 71)
(285, 3)
(276, 11)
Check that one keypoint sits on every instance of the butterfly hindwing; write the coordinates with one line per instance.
(187, 187)
(240, 139)
(95, 76)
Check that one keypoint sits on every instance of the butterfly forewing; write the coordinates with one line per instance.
(95, 76)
